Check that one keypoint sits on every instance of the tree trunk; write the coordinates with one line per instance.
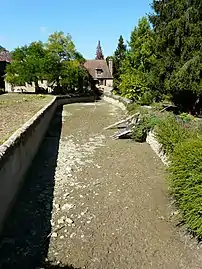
(36, 86)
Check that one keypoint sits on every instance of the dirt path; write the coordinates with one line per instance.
(94, 202)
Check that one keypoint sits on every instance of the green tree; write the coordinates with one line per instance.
(27, 65)
(64, 63)
(119, 56)
(57, 61)
(178, 38)
(61, 45)
(135, 69)
(74, 76)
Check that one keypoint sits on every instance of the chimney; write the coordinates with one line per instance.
(110, 63)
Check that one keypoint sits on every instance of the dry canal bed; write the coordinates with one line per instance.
(93, 202)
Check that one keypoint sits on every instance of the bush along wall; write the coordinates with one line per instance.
(185, 180)
(181, 140)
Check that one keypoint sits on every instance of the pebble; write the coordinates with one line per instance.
(66, 195)
(57, 206)
(67, 206)
(61, 220)
(69, 221)
(54, 235)
(72, 235)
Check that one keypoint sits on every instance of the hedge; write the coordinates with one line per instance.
(185, 180)
(181, 140)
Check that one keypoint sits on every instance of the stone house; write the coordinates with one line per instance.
(101, 72)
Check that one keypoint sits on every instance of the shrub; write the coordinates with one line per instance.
(133, 108)
(140, 132)
(185, 180)
(186, 117)
(147, 98)
(146, 123)
(169, 133)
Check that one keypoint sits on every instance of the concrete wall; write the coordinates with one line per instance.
(17, 153)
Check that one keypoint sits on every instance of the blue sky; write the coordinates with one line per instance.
(88, 21)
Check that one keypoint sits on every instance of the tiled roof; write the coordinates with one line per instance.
(92, 65)
(5, 56)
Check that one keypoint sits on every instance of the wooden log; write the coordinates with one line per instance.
(121, 122)
(128, 130)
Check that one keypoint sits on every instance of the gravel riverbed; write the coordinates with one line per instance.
(93, 202)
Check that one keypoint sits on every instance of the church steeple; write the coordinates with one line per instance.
(99, 54)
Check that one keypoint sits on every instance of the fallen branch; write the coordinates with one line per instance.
(122, 121)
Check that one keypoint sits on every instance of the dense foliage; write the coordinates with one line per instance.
(169, 133)
(135, 68)
(118, 57)
(166, 60)
(56, 61)
(178, 39)
(185, 179)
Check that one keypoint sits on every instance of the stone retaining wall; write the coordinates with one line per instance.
(151, 139)
(116, 100)
(157, 147)
(17, 153)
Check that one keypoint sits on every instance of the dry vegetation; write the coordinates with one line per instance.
(16, 109)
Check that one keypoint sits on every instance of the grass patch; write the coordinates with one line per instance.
(16, 109)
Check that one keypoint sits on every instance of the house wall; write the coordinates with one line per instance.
(109, 82)
(27, 88)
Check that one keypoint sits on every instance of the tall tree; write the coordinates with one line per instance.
(135, 69)
(61, 45)
(57, 61)
(27, 65)
(60, 48)
(119, 56)
(178, 39)
(99, 53)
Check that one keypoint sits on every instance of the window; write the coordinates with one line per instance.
(99, 71)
